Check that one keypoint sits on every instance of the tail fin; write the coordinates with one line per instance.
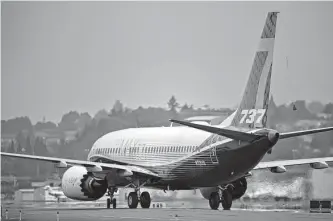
(252, 111)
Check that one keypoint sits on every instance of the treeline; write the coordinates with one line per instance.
(26, 143)
(88, 129)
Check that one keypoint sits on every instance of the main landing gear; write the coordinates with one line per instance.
(224, 195)
(133, 199)
(111, 200)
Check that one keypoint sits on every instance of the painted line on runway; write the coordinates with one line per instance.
(146, 218)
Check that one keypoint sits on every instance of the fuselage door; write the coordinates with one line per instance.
(213, 156)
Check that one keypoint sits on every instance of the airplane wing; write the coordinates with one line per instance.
(316, 163)
(233, 134)
(303, 132)
(94, 166)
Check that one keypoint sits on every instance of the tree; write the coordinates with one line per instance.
(40, 147)
(45, 126)
(14, 126)
(206, 106)
(102, 114)
(173, 104)
(28, 148)
(69, 120)
(328, 108)
(117, 108)
(185, 107)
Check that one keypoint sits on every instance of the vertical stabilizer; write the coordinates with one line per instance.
(252, 111)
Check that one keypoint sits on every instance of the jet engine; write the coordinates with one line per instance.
(79, 184)
(238, 190)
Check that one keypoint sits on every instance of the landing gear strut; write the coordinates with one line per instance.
(111, 200)
(224, 195)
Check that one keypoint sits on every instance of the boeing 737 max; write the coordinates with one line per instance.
(216, 159)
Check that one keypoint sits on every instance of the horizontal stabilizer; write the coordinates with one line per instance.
(232, 134)
(283, 163)
(304, 132)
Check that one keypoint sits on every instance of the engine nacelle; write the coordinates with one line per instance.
(319, 165)
(79, 184)
(238, 189)
(278, 169)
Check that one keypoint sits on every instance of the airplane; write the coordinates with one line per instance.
(58, 194)
(216, 159)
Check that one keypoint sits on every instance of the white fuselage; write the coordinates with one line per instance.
(151, 146)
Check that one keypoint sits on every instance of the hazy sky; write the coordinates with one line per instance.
(62, 56)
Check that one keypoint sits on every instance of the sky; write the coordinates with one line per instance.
(83, 56)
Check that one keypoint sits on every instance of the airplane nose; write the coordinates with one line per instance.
(273, 136)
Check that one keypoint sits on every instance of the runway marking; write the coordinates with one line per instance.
(145, 218)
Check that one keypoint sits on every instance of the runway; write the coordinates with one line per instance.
(158, 214)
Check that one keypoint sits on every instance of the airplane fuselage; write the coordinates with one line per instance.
(184, 158)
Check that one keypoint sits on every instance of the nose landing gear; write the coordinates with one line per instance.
(111, 200)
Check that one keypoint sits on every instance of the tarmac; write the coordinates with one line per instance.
(158, 214)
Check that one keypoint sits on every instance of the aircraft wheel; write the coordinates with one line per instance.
(226, 200)
(145, 200)
(108, 203)
(114, 203)
(214, 200)
(132, 200)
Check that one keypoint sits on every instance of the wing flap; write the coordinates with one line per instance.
(233, 134)
(88, 164)
(271, 164)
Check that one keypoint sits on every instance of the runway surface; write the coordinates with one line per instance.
(159, 214)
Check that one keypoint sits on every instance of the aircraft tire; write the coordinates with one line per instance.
(132, 200)
(145, 200)
(226, 200)
(114, 203)
(214, 200)
(108, 203)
